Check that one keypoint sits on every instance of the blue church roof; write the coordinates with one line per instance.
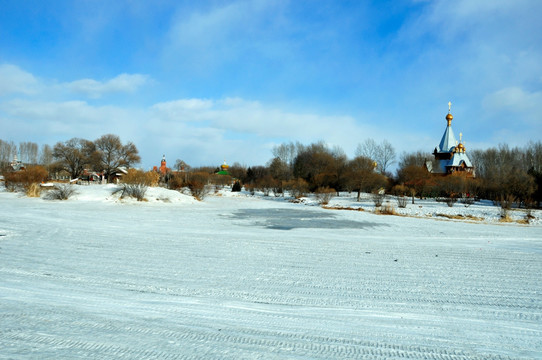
(450, 153)
(448, 141)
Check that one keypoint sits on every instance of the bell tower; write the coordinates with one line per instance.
(163, 168)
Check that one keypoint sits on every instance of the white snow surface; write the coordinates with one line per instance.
(237, 276)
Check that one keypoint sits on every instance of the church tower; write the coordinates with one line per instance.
(450, 154)
(163, 168)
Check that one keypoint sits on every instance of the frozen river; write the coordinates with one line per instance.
(246, 278)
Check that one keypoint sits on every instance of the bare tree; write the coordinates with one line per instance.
(180, 165)
(111, 154)
(287, 152)
(417, 158)
(533, 156)
(8, 149)
(238, 171)
(362, 177)
(73, 155)
(369, 149)
(383, 154)
(279, 169)
(28, 152)
(46, 155)
(386, 156)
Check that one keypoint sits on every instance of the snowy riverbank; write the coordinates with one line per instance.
(243, 277)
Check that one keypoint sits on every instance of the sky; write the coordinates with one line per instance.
(214, 81)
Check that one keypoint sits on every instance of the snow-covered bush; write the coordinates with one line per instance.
(61, 192)
(135, 183)
(386, 209)
(378, 198)
(324, 195)
(401, 201)
(136, 191)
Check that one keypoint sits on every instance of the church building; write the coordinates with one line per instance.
(163, 169)
(450, 154)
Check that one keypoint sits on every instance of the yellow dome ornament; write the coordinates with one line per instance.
(449, 117)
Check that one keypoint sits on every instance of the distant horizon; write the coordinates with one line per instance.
(209, 81)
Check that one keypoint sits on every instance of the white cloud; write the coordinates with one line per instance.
(524, 104)
(121, 83)
(183, 109)
(15, 80)
(513, 98)
(252, 117)
(66, 119)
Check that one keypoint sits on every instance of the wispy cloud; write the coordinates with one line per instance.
(524, 104)
(15, 80)
(126, 83)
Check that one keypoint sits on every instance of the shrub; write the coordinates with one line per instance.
(220, 180)
(298, 187)
(378, 198)
(33, 190)
(136, 191)
(27, 180)
(402, 202)
(387, 209)
(506, 201)
(324, 195)
(135, 183)
(277, 188)
(467, 201)
(139, 177)
(11, 181)
(250, 188)
(176, 182)
(61, 192)
(505, 216)
(400, 190)
(236, 186)
(197, 184)
(450, 201)
(265, 184)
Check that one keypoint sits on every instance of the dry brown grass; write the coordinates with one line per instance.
(460, 217)
(505, 216)
(386, 209)
(342, 208)
(33, 190)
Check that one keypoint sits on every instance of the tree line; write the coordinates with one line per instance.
(74, 156)
(503, 174)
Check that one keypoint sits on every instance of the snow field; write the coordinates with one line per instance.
(249, 278)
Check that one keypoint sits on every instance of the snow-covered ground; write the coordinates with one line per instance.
(248, 277)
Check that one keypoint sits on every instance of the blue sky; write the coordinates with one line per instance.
(205, 81)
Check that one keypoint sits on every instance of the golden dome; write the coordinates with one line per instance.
(449, 119)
